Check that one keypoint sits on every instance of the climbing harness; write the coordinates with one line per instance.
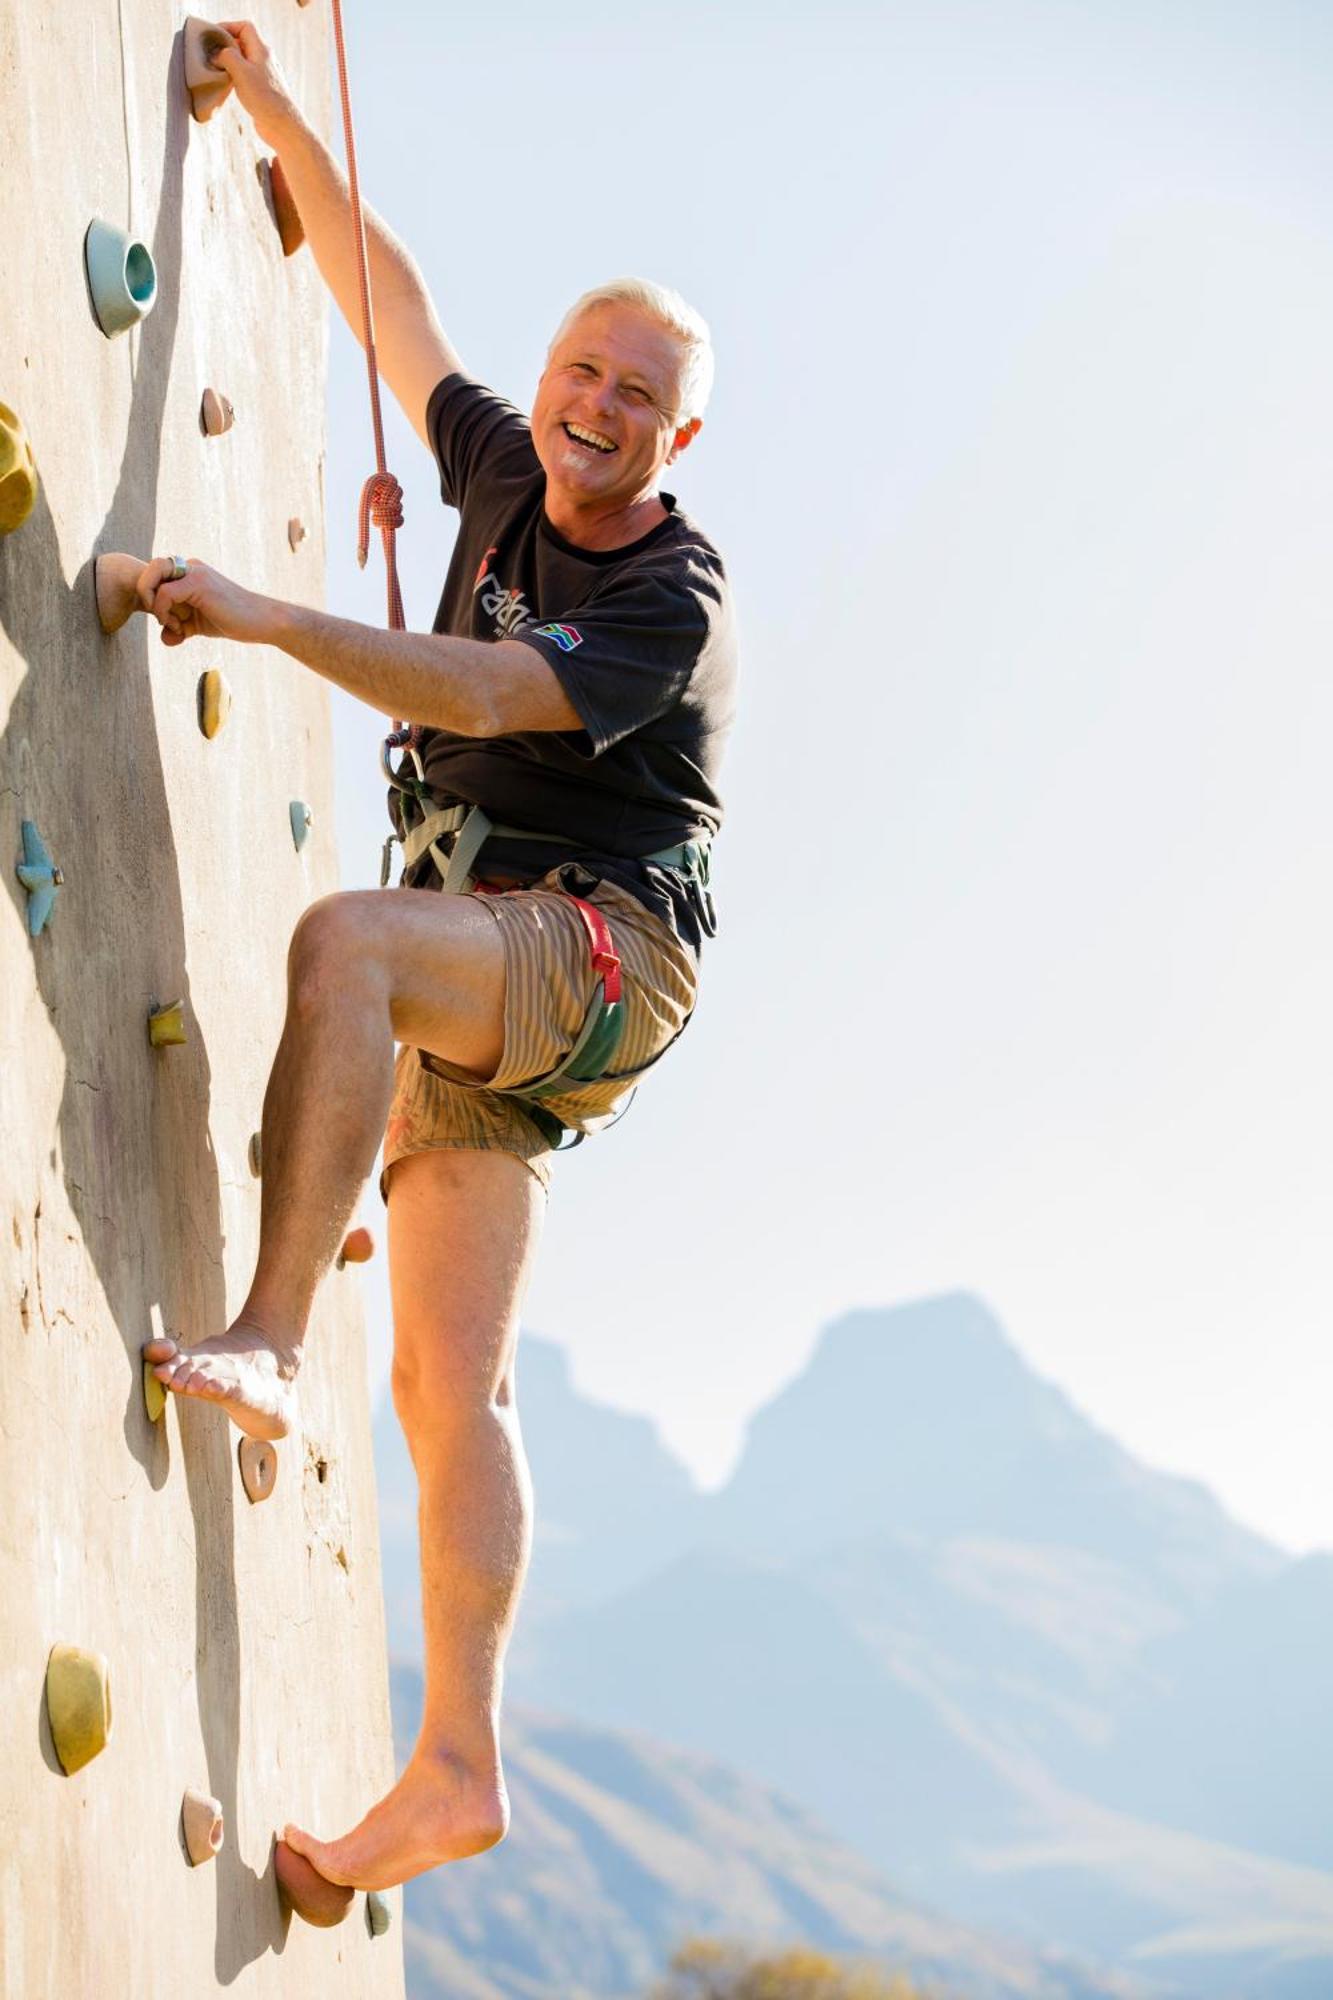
(453, 837)
(467, 828)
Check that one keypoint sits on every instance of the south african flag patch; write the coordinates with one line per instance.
(566, 637)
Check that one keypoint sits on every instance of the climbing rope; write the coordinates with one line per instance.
(381, 497)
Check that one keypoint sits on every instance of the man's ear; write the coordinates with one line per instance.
(684, 436)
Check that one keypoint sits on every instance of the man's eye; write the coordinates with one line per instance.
(639, 395)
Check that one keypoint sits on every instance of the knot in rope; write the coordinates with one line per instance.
(382, 504)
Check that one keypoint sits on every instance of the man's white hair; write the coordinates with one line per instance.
(669, 309)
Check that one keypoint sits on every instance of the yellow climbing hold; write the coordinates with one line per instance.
(18, 473)
(255, 1152)
(78, 1705)
(166, 1026)
(214, 701)
(154, 1395)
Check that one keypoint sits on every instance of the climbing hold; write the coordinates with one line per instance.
(259, 1467)
(299, 812)
(214, 701)
(256, 1152)
(295, 533)
(291, 229)
(116, 582)
(379, 1916)
(201, 1823)
(208, 87)
(39, 877)
(166, 1026)
(121, 277)
(18, 473)
(309, 1893)
(358, 1248)
(78, 1705)
(216, 414)
(154, 1395)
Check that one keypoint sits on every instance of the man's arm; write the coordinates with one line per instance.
(413, 349)
(473, 687)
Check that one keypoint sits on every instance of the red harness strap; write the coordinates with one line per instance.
(605, 957)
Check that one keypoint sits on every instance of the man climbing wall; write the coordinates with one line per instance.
(577, 689)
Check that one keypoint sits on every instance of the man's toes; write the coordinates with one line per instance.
(160, 1350)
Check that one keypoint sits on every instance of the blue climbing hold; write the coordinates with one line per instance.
(40, 878)
(121, 277)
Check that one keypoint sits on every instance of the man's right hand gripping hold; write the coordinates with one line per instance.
(578, 686)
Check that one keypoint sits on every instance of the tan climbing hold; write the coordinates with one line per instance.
(208, 87)
(308, 1892)
(78, 1705)
(116, 580)
(18, 473)
(291, 229)
(379, 1915)
(295, 532)
(166, 1026)
(259, 1467)
(358, 1248)
(154, 1394)
(201, 1823)
(214, 701)
(255, 1151)
(216, 414)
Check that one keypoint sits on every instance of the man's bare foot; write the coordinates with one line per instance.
(245, 1372)
(434, 1813)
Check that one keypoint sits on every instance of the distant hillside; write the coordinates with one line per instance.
(621, 1849)
(1040, 1686)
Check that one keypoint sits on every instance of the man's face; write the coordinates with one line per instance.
(606, 416)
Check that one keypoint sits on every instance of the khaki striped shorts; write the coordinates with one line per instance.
(549, 986)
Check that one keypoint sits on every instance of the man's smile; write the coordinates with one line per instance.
(590, 440)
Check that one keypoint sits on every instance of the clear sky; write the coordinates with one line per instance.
(1021, 454)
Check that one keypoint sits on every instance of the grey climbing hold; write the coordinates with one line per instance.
(379, 1916)
(255, 1153)
(121, 277)
(300, 818)
(40, 877)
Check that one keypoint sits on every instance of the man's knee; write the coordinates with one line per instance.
(439, 1383)
(334, 947)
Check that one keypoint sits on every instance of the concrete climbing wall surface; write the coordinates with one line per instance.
(244, 1641)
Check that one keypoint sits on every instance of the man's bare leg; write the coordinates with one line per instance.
(365, 969)
(463, 1229)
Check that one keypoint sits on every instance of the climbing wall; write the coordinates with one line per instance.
(243, 1639)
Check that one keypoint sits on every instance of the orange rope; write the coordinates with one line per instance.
(381, 496)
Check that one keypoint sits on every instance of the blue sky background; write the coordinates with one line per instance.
(1021, 454)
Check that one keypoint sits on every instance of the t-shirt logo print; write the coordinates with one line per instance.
(566, 636)
(505, 607)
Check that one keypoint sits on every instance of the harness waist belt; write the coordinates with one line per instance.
(472, 828)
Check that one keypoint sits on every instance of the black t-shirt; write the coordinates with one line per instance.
(641, 639)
